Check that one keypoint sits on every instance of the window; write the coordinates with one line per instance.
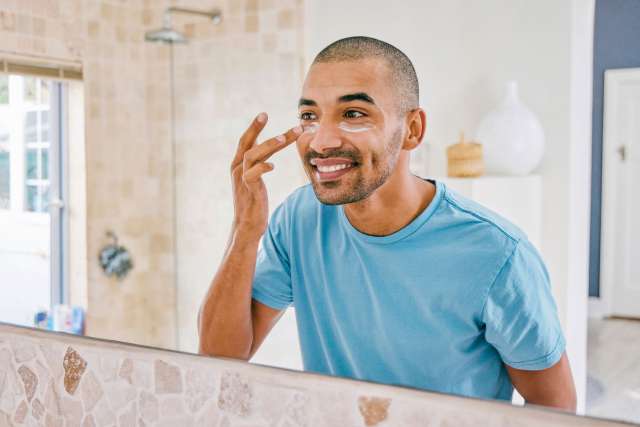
(25, 131)
(31, 158)
(36, 143)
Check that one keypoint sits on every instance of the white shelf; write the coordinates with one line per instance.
(517, 198)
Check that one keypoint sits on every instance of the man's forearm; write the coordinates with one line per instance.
(565, 403)
(552, 387)
(225, 323)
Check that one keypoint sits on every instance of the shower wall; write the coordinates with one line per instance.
(126, 152)
(251, 62)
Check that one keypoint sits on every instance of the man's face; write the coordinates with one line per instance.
(353, 132)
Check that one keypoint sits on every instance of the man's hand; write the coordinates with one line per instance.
(230, 324)
(548, 387)
(251, 207)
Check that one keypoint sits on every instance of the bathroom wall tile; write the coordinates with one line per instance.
(52, 356)
(71, 410)
(74, 367)
(108, 370)
(119, 395)
(52, 399)
(172, 406)
(168, 378)
(126, 370)
(148, 406)
(37, 409)
(104, 415)
(374, 410)
(7, 20)
(286, 19)
(142, 376)
(252, 23)
(88, 421)
(29, 380)
(91, 391)
(21, 413)
(209, 416)
(200, 386)
(235, 394)
(23, 352)
(223, 392)
(51, 420)
(129, 416)
(43, 375)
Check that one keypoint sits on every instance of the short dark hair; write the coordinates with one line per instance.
(402, 72)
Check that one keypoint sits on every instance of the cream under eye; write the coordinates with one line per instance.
(355, 127)
(311, 127)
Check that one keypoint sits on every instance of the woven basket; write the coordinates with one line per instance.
(464, 159)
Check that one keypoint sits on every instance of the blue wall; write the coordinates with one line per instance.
(616, 45)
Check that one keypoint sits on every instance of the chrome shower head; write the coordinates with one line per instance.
(165, 35)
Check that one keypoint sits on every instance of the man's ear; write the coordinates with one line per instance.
(417, 124)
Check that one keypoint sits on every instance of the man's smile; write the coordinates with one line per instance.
(332, 168)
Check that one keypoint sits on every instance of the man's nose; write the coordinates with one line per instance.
(325, 138)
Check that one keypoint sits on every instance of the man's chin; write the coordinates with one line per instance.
(331, 193)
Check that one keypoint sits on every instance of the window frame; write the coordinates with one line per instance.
(55, 212)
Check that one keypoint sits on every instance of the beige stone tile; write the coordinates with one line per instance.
(251, 23)
(7, 20)
(286, 19)
(24, 24)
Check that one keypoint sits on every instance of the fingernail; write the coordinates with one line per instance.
(262, 117)
(281, 138)
(297, 130)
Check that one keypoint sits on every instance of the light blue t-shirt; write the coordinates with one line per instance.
(438, 305)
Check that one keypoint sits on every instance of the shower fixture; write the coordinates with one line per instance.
(171, 37)
(166, 34)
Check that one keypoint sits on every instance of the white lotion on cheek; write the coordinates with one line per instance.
(311, 127)
(348, 127)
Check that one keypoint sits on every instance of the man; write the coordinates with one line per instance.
(395, 279)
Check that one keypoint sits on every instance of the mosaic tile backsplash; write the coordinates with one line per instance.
(49, 379)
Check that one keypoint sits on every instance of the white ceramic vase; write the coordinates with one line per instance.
(512, 137)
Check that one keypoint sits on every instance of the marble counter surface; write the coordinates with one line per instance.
(54, 379)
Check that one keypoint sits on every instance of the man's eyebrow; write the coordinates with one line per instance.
(358, 96)
(308, 102)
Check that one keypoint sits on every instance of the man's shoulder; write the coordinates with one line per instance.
(469, 212)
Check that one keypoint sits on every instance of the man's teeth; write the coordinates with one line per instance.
(333, 168)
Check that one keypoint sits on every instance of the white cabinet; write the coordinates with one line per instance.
(516, 198)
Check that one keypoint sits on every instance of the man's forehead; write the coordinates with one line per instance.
(331, 79)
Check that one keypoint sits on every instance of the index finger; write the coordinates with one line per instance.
(248, 138)
(263, 151)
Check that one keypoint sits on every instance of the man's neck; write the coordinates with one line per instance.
(392, 206)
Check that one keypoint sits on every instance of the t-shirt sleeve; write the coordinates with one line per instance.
(272, 278)
(520, 314)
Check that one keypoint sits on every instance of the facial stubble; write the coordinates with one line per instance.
(382, 165)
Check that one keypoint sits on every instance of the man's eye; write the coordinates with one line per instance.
(353, 114)
(307, 116)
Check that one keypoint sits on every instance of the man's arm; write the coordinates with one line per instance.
(225, 320)
(264, 319)
(230, 323)
(547, 387)
(225, 327)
